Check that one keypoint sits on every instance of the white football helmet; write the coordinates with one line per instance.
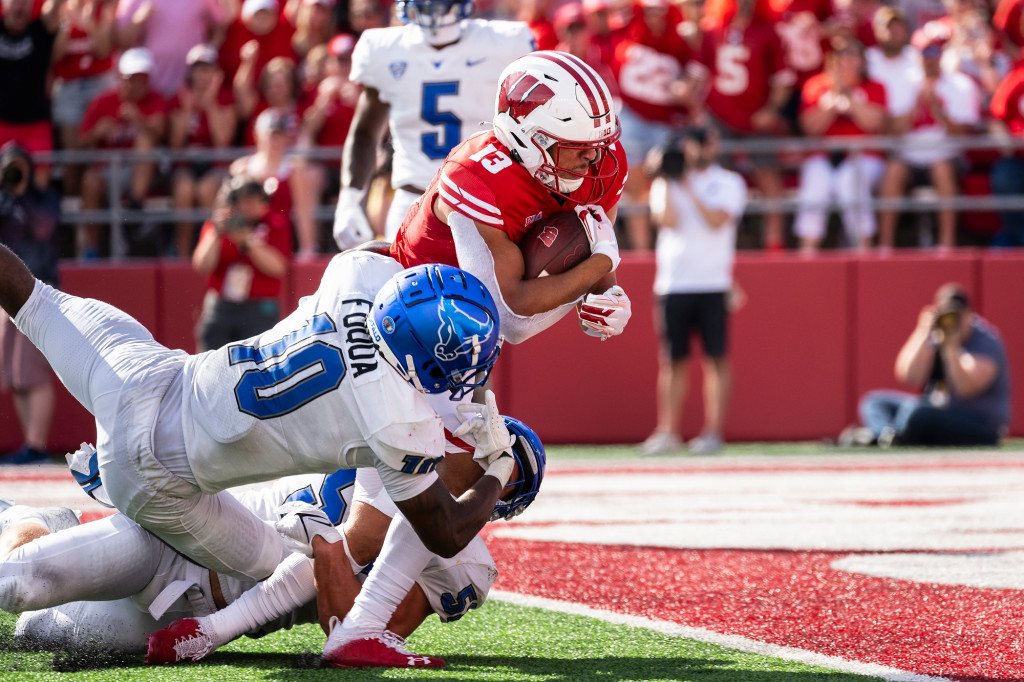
(550, 103)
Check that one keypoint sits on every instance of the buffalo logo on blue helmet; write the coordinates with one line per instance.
(438, 327)
(464, 328)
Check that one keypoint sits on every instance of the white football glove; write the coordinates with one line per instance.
(605, 315)
(351, 227)
(300, 522)
(600, 232)
(487, 429)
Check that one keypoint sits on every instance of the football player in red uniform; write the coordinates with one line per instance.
(553, 148)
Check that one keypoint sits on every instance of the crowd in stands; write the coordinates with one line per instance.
(273, 75)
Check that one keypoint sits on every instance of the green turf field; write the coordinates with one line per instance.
(499, 642)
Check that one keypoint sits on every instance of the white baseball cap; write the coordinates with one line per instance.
(201, 54)
(135, 60)
(251, 7)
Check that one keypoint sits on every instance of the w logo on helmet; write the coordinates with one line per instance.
(521, 93)
(464, 329)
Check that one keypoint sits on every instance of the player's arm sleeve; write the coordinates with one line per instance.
(475, 258)
(364, 63)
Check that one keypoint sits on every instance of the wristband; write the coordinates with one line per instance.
(501, 469)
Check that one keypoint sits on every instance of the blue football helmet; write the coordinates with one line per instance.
(529, 455)
(438, 326)
(436, 17)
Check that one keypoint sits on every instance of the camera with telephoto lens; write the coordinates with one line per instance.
(236, 221)
(947, 321)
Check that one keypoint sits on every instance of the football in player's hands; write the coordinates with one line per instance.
(554, 244)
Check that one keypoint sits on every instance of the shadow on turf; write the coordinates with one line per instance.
(599, 669)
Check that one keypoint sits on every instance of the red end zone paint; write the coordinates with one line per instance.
(792, 599)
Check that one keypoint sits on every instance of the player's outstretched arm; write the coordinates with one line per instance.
(16, 281)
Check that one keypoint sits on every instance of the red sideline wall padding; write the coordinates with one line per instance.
(815, 334)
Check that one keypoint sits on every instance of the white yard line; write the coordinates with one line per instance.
(728, 641)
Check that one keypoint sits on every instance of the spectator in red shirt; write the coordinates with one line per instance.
(326, 121)
(657, 97)
(749, 85)
(840, 102)
(201, 116)
(271, 164)
(1007, 109)
(82, 69)
(26, 51)
(801, 26)
(129, 116)
(278, 87)
(263, 31)
(604, 30)
(538, 14)
(244, 251)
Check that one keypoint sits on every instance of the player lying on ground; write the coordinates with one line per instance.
(179, 641)
(309, 395)
(553, 148)
(150, 584)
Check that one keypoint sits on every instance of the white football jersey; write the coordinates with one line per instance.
(437, 98)
(311, 395)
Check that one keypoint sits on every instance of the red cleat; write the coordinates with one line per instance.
(384, 650)
(183, 640)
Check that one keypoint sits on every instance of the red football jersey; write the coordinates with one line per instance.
(78, 59)
(817, 90)
(480, 180)
(108, 105)
(803, 39)
(645, 65)
(198, 134)
(1007, 103)
(277, 43)
(743, 64)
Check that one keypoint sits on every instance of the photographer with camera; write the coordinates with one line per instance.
(960, 361)
(697, 205)
(244, 250)
(29, 218)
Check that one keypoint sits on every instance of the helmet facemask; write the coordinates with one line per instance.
(562, 179)
(440, 20)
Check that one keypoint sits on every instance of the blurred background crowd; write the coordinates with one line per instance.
(869, 109)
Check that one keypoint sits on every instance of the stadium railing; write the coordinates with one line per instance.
(789, 151)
